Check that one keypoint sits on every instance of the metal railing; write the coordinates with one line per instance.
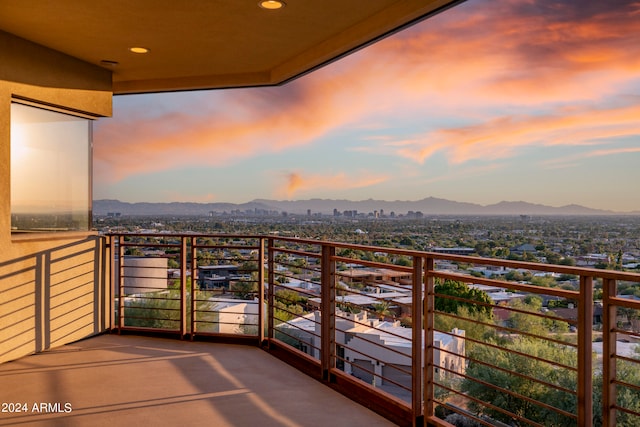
(417, 336)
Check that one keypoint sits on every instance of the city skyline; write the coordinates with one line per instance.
(483, 103)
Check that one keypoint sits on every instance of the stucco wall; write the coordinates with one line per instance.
(52, 287)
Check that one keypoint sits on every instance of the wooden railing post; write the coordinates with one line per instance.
(271, 265)
(416, 348)
(328, 310)
(183, 286)
(194, 279)
(108, 264)
(585, 347)
(261, 336)
(120, 282)
(429, 317)
(609, 350)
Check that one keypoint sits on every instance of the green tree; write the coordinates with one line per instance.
(627, 397)
(515, 378)
(161, 309)
(382, 310)
(244, 289)
(451, 294)
(288, 305)
(536, 323)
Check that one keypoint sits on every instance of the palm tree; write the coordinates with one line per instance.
(382, 309)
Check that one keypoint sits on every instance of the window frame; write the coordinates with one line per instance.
(87, 211)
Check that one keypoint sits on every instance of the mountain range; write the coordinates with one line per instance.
(428, 206)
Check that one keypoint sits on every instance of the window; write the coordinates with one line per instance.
(50, 170)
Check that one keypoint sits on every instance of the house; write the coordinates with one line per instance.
(382, 353)
(217, 276)
(375, 351)
(234, 316)
(144, 274)
(522, 249)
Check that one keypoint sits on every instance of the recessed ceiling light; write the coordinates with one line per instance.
(271, 4)
(139, 49)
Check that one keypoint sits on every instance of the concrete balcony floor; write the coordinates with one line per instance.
(112, 380)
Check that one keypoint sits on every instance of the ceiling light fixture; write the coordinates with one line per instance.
(138, 49)
(271, 4)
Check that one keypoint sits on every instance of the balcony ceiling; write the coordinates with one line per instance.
(204, 44)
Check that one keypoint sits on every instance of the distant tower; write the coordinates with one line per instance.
(308, 212)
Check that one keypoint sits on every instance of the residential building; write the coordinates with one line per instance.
(375, 351)
(217, 276)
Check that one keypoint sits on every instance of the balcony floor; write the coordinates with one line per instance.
(115, 380)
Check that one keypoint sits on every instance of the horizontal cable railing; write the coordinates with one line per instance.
(429, 337)
(204, 285)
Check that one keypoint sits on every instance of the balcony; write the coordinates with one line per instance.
(115, 380)
(345, 315)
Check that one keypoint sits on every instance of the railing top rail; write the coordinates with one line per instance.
(554, 268)
(499, 262)
(188, 234)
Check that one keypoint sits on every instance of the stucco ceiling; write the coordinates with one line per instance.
(202, 44)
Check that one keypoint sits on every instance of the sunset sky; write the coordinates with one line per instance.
(512, 100)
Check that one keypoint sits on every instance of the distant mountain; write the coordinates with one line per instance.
(103, 207)
(428, 206)
(524, 208)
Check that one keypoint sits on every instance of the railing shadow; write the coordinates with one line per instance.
(53, 297)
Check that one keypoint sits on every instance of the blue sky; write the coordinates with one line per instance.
(489, 101)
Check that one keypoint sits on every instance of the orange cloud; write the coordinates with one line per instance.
(297, 182)
(498, 138)
(263, 122)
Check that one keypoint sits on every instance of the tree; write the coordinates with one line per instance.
(535, 323)
(450, 295)
(628, 398)
(153, 310)
(382, 309)
(244, 290)
(288, 305)
(519, 373)
(161, 309)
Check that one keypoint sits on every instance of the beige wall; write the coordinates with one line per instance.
(51, 286)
